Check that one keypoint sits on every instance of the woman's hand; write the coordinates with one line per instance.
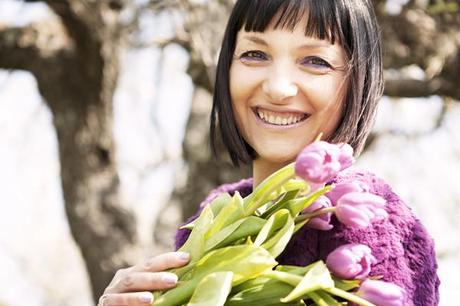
(133, 286)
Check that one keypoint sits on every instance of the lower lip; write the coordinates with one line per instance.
(278, 127)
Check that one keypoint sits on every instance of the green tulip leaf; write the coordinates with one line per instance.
(260, 291)
(330, 301)
(274, 224)
(276, 244)
(245, 261)
(319, 301)
(188, 226)
(218, 203)
(297, 184)
(296, 206)
(243, 228)
(346, 284)
(195, 242)
(228, 214)
(276, 233)
(263, 192)
(280, 203)
(318, 277)
(178, 295)
(212, 290)
(296, 270)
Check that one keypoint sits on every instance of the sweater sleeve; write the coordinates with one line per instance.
(403, 249)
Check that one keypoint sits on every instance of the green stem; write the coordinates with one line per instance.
(330, 301)
(304, 217)
(348, 296)
(317, 299)
(284, 277)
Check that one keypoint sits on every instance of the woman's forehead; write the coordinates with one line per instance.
(296, 34)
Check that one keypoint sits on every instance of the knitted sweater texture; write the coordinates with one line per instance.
(403, 249)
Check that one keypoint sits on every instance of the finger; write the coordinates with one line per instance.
(126, 299)
(163, 262)
(143, 281)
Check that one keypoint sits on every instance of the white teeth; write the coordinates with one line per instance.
(278, 120)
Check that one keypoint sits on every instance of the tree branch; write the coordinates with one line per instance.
(412, 88)
(90, 24)
(81, 19)
(32, 46)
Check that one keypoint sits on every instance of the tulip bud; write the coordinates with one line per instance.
(351, 261)
(357, 209)
(341, 189)
(321, 222)
(381, 293)
(345, 157)
(320, 161)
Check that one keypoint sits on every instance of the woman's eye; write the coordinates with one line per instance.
(315, 62)
(254, 55)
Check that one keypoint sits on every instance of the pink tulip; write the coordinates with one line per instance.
(358, 209)
(321, 222)
(320, 161)
(351, 261)
(341, 189)
(381, 293)
(345, 156)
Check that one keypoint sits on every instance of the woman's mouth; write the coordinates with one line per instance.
(280, 118)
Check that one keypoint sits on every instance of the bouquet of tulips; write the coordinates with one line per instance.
(235, 241)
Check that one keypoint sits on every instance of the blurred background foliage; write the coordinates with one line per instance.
(76, 57)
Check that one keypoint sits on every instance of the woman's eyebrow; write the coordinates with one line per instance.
(255, 39)
(316, 45)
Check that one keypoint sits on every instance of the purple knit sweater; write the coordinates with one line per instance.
(403, 249)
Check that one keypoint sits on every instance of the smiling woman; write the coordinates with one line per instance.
(289, 70)
(286, 88)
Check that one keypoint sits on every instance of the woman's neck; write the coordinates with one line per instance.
(261, 169)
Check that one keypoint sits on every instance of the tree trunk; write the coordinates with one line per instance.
(103, 230)
(76, 64)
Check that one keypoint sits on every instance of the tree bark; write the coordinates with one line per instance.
(76, 64)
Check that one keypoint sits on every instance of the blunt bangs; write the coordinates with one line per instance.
(259, 15)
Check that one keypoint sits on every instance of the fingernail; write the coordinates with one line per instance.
(148, 299)
(184, 256)
(170, 278)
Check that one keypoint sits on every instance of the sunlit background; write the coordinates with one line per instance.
(40, 263)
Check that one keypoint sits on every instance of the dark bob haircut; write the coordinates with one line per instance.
(351, 23)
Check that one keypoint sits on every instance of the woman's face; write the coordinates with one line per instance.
(286, 88)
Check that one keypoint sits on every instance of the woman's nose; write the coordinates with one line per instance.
(279, 88)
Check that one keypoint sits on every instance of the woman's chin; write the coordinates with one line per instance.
(280, 158)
